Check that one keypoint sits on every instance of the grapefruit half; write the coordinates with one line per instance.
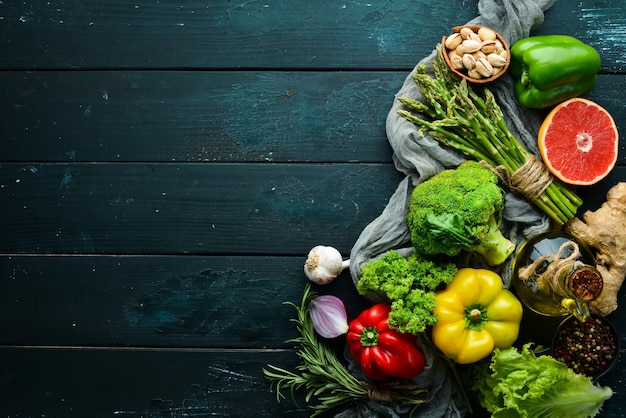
(578, 141)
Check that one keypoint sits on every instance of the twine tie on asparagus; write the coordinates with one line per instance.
(530, 180)
(550, 276)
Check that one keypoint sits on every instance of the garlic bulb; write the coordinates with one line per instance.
(323, 264)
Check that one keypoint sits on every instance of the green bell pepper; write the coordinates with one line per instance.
(549, 69)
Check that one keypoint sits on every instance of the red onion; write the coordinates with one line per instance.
(329, 316)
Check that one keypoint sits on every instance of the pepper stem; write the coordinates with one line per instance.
(475, 317)
(369, 337)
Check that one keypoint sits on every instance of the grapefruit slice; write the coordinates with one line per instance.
(578, 141)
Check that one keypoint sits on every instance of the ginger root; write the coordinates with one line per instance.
(604, 231)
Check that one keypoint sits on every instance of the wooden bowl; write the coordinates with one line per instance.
(463, 74)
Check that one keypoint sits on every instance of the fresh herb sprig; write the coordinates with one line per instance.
(325, 377)
(457, 116)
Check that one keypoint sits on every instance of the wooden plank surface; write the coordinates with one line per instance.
(201, 116)
(74, 34)
(141, 383)
(188, 208)
(166, 165)
(154, 301)
(223, 34)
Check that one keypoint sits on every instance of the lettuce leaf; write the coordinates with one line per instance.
(520, 384)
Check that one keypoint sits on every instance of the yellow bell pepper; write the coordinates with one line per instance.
(475, 315)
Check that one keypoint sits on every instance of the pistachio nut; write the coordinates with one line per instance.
(479, 54)
(483, 67)
(486, 34)
(488, 47)
(466, 32)
(468, 46)
(453, 41)
(469, 62)
(456, 61)
(496, 60)
(475, 37)
(473, 73)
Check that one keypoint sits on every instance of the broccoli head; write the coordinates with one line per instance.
(459, 210)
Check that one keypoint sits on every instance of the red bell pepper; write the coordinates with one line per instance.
(382, 352)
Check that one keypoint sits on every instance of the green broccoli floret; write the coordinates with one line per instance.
(459, 210)
(408, 284)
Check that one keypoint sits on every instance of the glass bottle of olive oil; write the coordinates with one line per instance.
(554, 275)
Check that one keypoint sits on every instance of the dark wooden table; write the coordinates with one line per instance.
(165, 166)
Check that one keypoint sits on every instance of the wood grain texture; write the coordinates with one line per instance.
(263, 34)
(155, 301)
(166, 165)
(272, 209)
(200, 116)
(141, 383)
(223, 34)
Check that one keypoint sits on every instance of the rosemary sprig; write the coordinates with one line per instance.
(324, 377)
(454, 114)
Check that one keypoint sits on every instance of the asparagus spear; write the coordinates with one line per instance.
(457, 116)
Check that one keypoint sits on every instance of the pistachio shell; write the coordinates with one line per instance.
(483, 67)
(466, 32)
(488, 47)
(453, 41)
(469, 62)
(486, 34)
(470, 46)
(479, 54)
(496, 60)
(473, 73)
(475, 37)
(456, 61)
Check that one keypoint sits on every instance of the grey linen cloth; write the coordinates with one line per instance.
(419, 157)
